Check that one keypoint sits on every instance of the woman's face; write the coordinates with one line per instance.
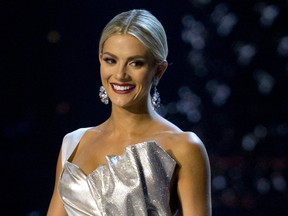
(127, 69)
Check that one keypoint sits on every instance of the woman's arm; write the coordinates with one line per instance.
(194, 177)
(56, 207)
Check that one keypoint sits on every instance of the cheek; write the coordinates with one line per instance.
(143, 79)
(104, 73)
(149, 77)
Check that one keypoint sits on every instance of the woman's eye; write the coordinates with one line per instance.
(109, 60)
(137, 63)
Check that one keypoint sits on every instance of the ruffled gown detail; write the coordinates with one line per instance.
(134, 183)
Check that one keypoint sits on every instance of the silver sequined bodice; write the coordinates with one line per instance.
(135, 183)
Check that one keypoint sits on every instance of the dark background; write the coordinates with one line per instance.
(227, 81)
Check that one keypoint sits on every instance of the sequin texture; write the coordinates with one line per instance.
(134, 183)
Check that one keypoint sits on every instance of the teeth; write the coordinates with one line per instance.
(122, 88)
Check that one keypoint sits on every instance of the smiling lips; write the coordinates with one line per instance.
(122, 88)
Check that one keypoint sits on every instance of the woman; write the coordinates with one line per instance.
(136, 162)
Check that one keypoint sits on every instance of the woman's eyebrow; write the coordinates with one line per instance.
(137, 57)
(129, 58)
(110, 54)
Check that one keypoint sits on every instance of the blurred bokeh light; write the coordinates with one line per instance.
(227, 81)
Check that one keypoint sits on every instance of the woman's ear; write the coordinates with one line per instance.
(161, 68)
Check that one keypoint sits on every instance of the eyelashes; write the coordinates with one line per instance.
(109, 60)
(137, 63)
(133, 63)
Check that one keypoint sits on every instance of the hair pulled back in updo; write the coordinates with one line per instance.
(142, 25)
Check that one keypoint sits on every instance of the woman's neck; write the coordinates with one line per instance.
(124, 121)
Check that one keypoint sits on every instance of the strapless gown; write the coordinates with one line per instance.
(136, 183)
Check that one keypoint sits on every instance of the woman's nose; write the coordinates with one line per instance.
(122, 73)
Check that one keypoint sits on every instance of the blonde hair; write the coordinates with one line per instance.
(142, 25)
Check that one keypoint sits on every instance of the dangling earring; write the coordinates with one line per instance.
(156, 96)
(103, 95)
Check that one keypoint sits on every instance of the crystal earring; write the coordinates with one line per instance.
(156, 96)
(103, 95)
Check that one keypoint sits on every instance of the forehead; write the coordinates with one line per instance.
(125, 45)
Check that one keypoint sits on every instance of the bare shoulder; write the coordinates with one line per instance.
(93, 132)
(194, 174)
(179, 140)
(186, 147)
